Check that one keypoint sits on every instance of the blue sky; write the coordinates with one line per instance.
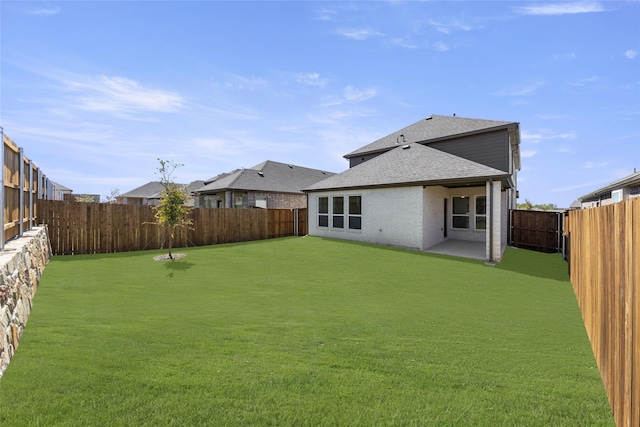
(96, 91)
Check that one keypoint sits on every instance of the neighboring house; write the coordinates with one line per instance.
(622, 189)
(88, 198)
(151, 192)
(440, 178)
(60, 192)
(266, 185)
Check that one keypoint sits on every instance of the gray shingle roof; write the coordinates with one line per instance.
(145, 191)
(409, 164)
(61, 187)
(267, 176)
(432, 129)
(627, 181)
(152, 190)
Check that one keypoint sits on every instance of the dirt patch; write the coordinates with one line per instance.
(166, 257)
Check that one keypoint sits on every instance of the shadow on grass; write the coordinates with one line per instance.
(522, 261)
(414, 252)
(537, 264)
(178, 265)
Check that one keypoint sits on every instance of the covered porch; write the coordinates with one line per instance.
(462, 248)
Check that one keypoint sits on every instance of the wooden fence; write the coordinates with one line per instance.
(20, 189)
(89, 228)
(605, 273)
(536, 230)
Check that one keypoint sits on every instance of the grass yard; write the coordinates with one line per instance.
(304, 331)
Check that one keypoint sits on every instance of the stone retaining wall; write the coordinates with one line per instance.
(21, 264)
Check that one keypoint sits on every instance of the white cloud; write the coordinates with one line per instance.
(586, 81)
(523, 90)
(596, 165)
(592, 184)
(546, 134)
(565, 149)
(354, 95)
(440, 46)
(565, 8)
(528, 153)
(312, 79)
(358, 34)
(243, 83)
(567, 56)
(631, 53)
(450, 27)
(325, 14)
(44, 11)
(121, 96)
(402, 42)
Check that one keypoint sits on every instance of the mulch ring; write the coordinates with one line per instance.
(165, 257)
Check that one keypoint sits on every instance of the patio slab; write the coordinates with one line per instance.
(460, 248)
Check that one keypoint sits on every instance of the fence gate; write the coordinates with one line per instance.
(537, 230)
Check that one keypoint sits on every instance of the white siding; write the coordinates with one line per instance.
(390, 216)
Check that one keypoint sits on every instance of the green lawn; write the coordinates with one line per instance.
(304, 331)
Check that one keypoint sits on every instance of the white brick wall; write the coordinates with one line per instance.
(434, 215)
(390, 216)
(412, 217)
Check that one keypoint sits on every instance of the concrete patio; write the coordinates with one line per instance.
(460, 248)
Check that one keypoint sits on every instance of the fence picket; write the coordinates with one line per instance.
(605, 273)
(82, 228)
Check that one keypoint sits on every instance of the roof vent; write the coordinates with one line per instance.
(260, 173)
(406, 147)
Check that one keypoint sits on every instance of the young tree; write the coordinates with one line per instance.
(526, 205)
(171, 212)
(112, 197)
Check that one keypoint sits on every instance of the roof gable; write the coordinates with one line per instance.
(145, 191)
(432, 129)
(154, 189)
(268, 176)
(406, 165)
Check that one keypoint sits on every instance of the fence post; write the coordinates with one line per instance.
(31, 205)
(2, 189)
(40, 184)
(21, 193)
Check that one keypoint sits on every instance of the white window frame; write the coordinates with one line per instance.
(340, 216)
(480, 215)
(460, 215)
(354, 215)
(616, 195)
(324, 214)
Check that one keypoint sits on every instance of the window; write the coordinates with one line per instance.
(355, 212)
(337, 212)
(323, 211)
(616, 196)
(261, 202)
(240, 200)
(481, 212)
(460, 212)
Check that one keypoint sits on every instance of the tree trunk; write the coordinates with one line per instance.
(170, 243)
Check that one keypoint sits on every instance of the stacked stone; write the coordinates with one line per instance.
(21, 264)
